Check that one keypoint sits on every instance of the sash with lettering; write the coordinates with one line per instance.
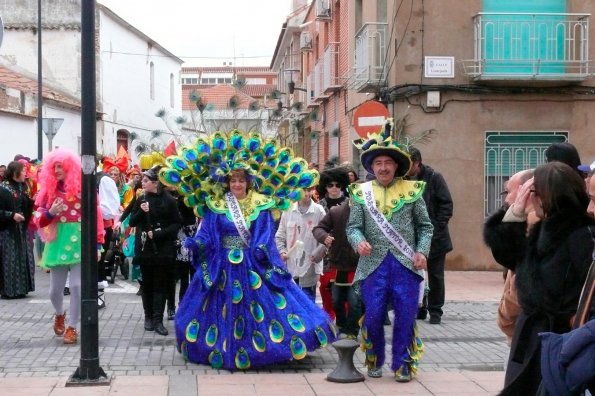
(388, 230)
(238, 217)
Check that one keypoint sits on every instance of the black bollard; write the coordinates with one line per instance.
(345, 371)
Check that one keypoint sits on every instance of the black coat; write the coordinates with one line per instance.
(549, 279)
(507, 241)
(340, 255)
(163, 219)
(440, 207)
(11, 203)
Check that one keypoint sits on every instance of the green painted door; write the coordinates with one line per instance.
(523, 44)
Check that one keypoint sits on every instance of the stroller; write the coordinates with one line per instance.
(114, 259)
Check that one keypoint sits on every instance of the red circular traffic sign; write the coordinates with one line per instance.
(369, 117)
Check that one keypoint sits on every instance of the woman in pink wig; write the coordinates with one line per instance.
(59, 220)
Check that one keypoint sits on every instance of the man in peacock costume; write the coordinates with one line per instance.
(242, 309)
(390, 229)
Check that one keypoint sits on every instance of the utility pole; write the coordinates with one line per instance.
(89, 372)
(39, 86)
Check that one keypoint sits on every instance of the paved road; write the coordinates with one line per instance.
(468, 340)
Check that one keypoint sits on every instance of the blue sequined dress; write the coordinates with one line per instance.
(242, 309)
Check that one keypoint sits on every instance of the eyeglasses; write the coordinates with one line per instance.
(504, 192)
(334, 185)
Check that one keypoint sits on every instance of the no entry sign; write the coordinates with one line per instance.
(369, 117)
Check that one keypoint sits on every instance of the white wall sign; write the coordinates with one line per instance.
(439, 67)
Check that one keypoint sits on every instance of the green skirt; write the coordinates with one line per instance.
(65, 249)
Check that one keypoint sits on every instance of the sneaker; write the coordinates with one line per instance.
(70, 336)
(435, 319)
(100, 301)
(375, 372)
(59, 324)
(403, 374)
(171, 314)
(67, 291)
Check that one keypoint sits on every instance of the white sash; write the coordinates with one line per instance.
(389, 231)
(238, 217)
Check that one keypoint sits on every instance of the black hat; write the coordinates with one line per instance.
(153, 173)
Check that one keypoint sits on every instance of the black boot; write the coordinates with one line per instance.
(160, 328)
(149, 324)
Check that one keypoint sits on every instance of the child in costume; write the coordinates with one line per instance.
(242, 309)
(58, 217)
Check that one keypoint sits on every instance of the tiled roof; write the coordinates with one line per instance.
(12, 79)
(217, 96)
(223, 69)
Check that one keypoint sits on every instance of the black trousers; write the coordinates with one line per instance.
(101, 266)
(156, 272)
(436, 284)
(182, 271)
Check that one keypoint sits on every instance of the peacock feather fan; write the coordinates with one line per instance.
(199, 171)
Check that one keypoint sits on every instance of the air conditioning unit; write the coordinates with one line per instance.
(305, 41)
(323, 9)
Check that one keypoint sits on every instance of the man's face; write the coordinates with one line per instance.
(511, 188)
(384, 168)
(591, 191)
(415, 167)
(307, 197)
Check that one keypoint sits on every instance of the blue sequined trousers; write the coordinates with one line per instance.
(393, 282)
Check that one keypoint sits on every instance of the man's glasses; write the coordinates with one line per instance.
(334, 185)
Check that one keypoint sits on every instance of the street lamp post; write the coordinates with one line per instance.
(89, 372)
(39, 85)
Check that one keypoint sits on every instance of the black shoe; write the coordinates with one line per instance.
(67, 291)
(149, 325)
(422, 314)
(160, 329)
(435, 319)
(171, 314)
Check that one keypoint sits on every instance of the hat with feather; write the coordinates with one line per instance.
(200, 170)
(392, 142)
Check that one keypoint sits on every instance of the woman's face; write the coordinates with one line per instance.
(114, 173)
(238, 185)
(352, 177)
(333, 190)
(59, 172)
(535, 200)
(20, 177)
(149, 185)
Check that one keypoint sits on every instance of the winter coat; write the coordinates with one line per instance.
(163, 219)
(549, 278)
(440, 207)
(340, 254)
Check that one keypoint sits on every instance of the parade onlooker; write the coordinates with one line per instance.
(591, 192)
(58, 217)
(552, 268)
(17, 265)
(2, 172)
(183, 270)
(566, 153)
(332, 232)
(439, 204)
(500, 230)
(385, 211)
(296, 244)
(332, 189)
(157, 220)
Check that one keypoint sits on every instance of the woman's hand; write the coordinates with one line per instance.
(18, 217)
(145, 206)
(328, 241)
(522, 199)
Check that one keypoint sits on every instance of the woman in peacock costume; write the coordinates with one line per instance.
(242, 309)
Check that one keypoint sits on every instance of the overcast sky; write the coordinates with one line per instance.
(208, 32)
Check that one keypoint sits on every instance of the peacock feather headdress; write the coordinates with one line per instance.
(392, 141)
(200, 170)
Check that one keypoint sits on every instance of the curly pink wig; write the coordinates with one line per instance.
(71, 164)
